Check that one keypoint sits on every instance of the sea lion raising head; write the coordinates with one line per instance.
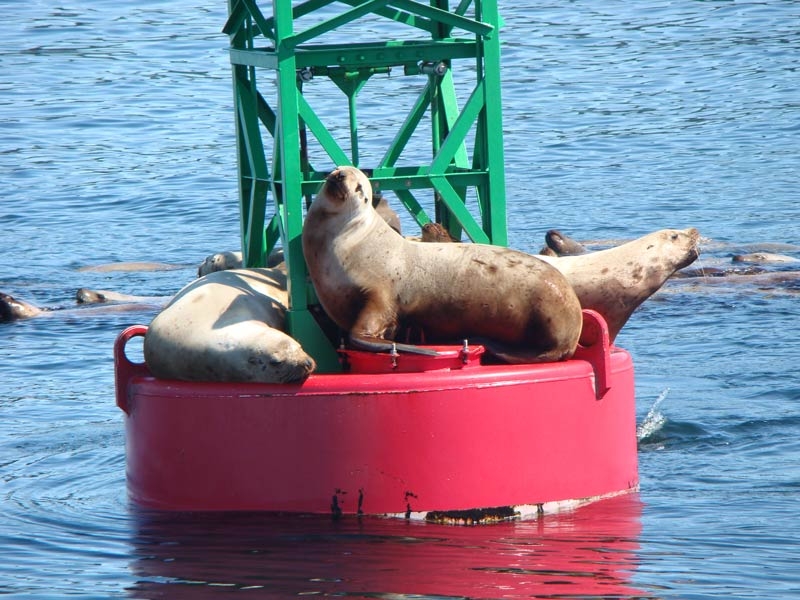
(373, 282)
(616, 281)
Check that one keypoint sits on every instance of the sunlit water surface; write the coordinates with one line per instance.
(620, 118)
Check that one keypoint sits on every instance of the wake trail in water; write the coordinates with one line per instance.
(654, 420)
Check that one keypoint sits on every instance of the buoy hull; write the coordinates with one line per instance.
(443, 442)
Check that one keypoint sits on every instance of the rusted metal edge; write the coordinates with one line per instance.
(521, 512)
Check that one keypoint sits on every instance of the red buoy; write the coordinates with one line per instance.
(443, 438)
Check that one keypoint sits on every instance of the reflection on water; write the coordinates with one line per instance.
(590, 552)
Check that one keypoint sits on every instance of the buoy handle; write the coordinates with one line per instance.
(124, 368)
(595, 347)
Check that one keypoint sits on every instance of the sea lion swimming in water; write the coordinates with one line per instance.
(372, 282)
(13, 309)
(763, 257)
(561, 245)
(90, 302)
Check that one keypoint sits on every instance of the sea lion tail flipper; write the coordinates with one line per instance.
(374, 344)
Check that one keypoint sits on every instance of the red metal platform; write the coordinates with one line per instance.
(458, 441)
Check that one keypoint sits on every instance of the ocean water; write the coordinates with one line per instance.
(620, 118)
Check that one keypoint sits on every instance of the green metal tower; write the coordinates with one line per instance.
(283, 61)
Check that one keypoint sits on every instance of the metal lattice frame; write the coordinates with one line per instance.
(469, 32)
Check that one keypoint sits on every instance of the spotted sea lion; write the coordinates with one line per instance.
(223, 261)
(227, 326)
(616, 281)
(372, 282)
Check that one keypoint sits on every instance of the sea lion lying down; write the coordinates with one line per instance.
(227, 326)
(614, 282)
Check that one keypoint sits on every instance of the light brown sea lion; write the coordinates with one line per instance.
(763, 257)
(128, 267)
(89, 296)
(372, 282)
(616, 281)
(227, 326)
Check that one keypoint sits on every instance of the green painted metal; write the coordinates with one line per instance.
(282, 56)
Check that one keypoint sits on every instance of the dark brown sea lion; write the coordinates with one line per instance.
(562, 245)
(372, 282)
(13, 309)
(436, 233)
(385, 211)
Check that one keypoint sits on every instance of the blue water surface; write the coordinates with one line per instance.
(620, 118)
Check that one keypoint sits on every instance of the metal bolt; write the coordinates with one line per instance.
(431, 68)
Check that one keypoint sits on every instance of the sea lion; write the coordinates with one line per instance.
(227, 326)
(13, 309)
(89, 302)
(561, 245)
(89, 296)
(373, 282)
(223, 261)
(129, 267)
(220, 261)
(435, 232)
(616, 281)
(387, 214)
(764, 257)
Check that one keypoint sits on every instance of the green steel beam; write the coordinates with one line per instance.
(273, 190)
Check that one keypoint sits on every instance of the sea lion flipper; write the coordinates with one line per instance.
(375, 344)
(514, 355)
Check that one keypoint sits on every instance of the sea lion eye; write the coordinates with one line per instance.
(360, 190)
